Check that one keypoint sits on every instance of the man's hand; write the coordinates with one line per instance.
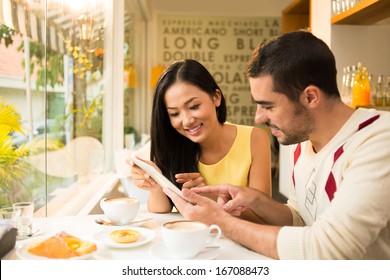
(234, 200)
(197, 207)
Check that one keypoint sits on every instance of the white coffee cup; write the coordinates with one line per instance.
(120, 210)
(185, 239)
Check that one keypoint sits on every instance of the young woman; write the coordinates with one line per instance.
(193, 145)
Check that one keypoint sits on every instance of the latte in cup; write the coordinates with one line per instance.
(121, 210)
(186, 239)
(184, 225)
(121, 200)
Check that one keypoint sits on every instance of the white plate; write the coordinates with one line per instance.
(161, 252)
(103, 237)
(140, 220)
(22, 253)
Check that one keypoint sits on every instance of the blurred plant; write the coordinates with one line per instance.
(6, 34)
(48, 64)
(13, 167)
(85, 61)
(90, 116)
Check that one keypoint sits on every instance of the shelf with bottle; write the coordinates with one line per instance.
(361, 89)
(381, 96)
(363, 13)
(380, 108)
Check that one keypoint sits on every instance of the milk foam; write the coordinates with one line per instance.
(185, 226)
(121, 200)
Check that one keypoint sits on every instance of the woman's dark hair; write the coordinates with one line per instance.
(172, 152)
(295, 60)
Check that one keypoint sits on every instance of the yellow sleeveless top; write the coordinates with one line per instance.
(234, 167)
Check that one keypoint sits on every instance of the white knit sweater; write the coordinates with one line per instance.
(341, 197)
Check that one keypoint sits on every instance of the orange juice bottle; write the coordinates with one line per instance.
(361, 88)
(366, 89)
(356, 87)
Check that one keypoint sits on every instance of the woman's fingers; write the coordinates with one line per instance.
(190, 180)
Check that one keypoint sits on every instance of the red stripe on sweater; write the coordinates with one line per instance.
(297, 153)
(368, 122)
(330, 186)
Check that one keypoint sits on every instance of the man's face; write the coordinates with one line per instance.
(289, 122)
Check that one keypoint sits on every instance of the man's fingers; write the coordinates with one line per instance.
(205, 189)
(231, 206)
(237, 211)
(192, 197)
(188, 195)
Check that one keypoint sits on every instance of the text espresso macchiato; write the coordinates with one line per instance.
(186, 239)
(120, 211)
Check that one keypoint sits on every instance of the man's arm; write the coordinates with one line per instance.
(260, 238)
(236, 199)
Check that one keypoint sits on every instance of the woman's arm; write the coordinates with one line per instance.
(260, 171)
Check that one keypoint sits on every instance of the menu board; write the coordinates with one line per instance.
(223, 45)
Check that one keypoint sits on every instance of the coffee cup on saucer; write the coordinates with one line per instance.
(185, 239)
(120, 210)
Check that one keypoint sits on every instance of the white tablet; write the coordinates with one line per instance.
(157, 176)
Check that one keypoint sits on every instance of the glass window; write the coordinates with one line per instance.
(53, 104)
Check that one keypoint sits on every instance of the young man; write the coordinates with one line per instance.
(339, 207)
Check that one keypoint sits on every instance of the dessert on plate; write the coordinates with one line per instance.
(125, 235)
(62, 246)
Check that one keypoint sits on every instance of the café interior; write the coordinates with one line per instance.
(81, 74)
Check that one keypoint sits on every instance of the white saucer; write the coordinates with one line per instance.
(140, 220)
(161, 252)
(22, 253)
(103, 237)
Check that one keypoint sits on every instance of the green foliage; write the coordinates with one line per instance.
(48, 64)
(90, 118)
(13, 167)
(6, 35)
(49, 73)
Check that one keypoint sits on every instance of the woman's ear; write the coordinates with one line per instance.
(217, 97)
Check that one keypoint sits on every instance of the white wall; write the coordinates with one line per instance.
(320, 15)
(369, 45)
(220, 7)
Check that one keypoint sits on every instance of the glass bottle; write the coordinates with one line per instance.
(366, 88)
(346, 91)
(343, 85)
(356, 87)
(387, 91)
(372, 88)
(378, 98)
(361, 88)
(350, 84)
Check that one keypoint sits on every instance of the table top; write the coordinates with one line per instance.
(85, 227)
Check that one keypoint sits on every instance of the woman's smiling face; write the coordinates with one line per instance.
(192, 112)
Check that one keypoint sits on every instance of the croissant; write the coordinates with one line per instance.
(62, 246)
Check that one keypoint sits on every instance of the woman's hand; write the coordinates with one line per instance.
(190, 180)
(142, 179)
